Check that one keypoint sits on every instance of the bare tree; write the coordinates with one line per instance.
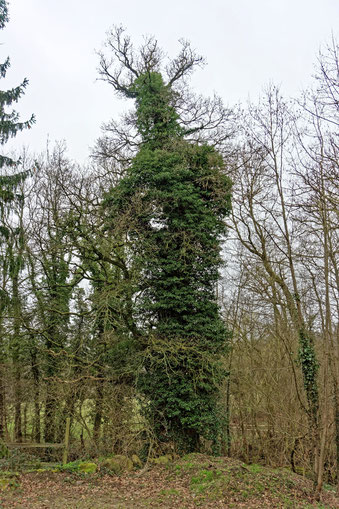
(202, 119)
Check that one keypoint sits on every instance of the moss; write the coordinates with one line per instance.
(87, 467)
(118, 464)
(7, 484)
(136, 461)
(84, 467)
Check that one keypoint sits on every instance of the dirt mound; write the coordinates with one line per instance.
(193, 481)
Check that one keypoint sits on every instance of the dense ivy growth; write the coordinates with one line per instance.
(173, 202)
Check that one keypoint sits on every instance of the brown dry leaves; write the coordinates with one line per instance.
(166, 487)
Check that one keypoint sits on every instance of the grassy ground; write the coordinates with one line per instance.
(191, 482)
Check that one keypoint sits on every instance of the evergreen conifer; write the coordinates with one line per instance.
(9, 127)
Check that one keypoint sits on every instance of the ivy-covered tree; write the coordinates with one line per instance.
(10, 125)
(173, 200)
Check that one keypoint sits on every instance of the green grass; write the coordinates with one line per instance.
(254, 468)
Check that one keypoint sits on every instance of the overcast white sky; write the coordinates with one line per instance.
(247, 43)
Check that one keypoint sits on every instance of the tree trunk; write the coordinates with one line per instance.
(98, 411)
(36, 378)
(2, 407)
